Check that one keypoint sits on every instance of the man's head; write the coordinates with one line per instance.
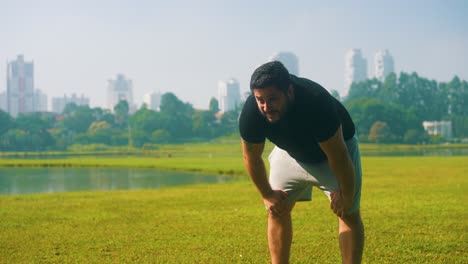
(272, 89)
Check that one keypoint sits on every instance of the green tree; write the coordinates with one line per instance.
(414, 136)
(457, 95)
(459, 125)
(36, 134)
(171, 105)
(100, 114)
(160, 136)
(146, 120)
(121, 111)
(17, 140)
(76, 119)
(6, 122)
(70, 108)
(204, 124)
(364, 89)
(365, 112)
(100, 132)
(229, 122)
(176, 117)
(388, 92)
(214, 105)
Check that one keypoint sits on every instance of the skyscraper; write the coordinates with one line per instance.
(355, 68)
(59, 103)
(40, 101)
(152, 100)
(20, 86)
(289, 60)
(384, 64)
(3, 101)
(118, 90)
(228, 95)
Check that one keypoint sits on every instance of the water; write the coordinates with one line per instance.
(48, 180)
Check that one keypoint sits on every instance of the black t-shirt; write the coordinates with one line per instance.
(313, 117)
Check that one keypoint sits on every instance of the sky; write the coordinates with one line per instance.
(186, 47)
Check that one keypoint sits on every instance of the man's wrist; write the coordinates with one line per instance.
(267, 193)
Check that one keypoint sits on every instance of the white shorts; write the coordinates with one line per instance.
(298, 178)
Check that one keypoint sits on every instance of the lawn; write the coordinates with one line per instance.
(414, 210)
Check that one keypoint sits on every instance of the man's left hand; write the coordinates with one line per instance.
(339, 204)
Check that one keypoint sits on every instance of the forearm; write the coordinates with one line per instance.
(343, 169)
(257, 172)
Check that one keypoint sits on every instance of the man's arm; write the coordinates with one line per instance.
(255, 167)
(343, 168)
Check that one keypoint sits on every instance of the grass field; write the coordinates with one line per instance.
(228, 147)
(414, 209)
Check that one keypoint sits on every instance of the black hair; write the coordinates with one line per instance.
(270, 74)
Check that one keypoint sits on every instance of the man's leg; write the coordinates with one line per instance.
(280, 236)
(351, 236)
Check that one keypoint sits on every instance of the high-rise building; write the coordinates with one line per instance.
(152, 100)
(289, 60)
(59, 103)
(120, 89)
(20, 86)
(3, 101)
(40, 101)
(355, 69)
(384, 64)
(228, 95)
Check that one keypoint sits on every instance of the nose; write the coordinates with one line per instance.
(266, 106)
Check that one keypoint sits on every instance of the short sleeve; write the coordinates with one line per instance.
(251, 123)
(326, 117)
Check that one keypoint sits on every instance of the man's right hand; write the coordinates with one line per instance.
(275, 202)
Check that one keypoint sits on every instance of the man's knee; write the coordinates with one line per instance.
(285, 215)
(351, 221)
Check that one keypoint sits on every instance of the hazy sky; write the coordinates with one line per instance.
(186, 47)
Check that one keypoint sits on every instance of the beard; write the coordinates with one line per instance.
(273, 116)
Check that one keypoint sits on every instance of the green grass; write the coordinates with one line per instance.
(219, 158)
(221, 165)
(414, 210)
(222, 157)
(228, 146)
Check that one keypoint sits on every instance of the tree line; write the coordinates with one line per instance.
(81, 125)
(394, 110)
(391, 111)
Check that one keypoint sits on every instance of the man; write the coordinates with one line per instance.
(315, 146)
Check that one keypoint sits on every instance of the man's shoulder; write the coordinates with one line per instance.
(249, 104)
(304, 82)
(306, 87)
(249, 110)
(251, 122)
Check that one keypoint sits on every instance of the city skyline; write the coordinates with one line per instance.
(185, 48)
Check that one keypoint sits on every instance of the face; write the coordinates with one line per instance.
(273, 103)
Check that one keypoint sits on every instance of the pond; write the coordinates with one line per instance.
(47, 180)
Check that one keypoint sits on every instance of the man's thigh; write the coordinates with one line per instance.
(288, 175)
(297, 179)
